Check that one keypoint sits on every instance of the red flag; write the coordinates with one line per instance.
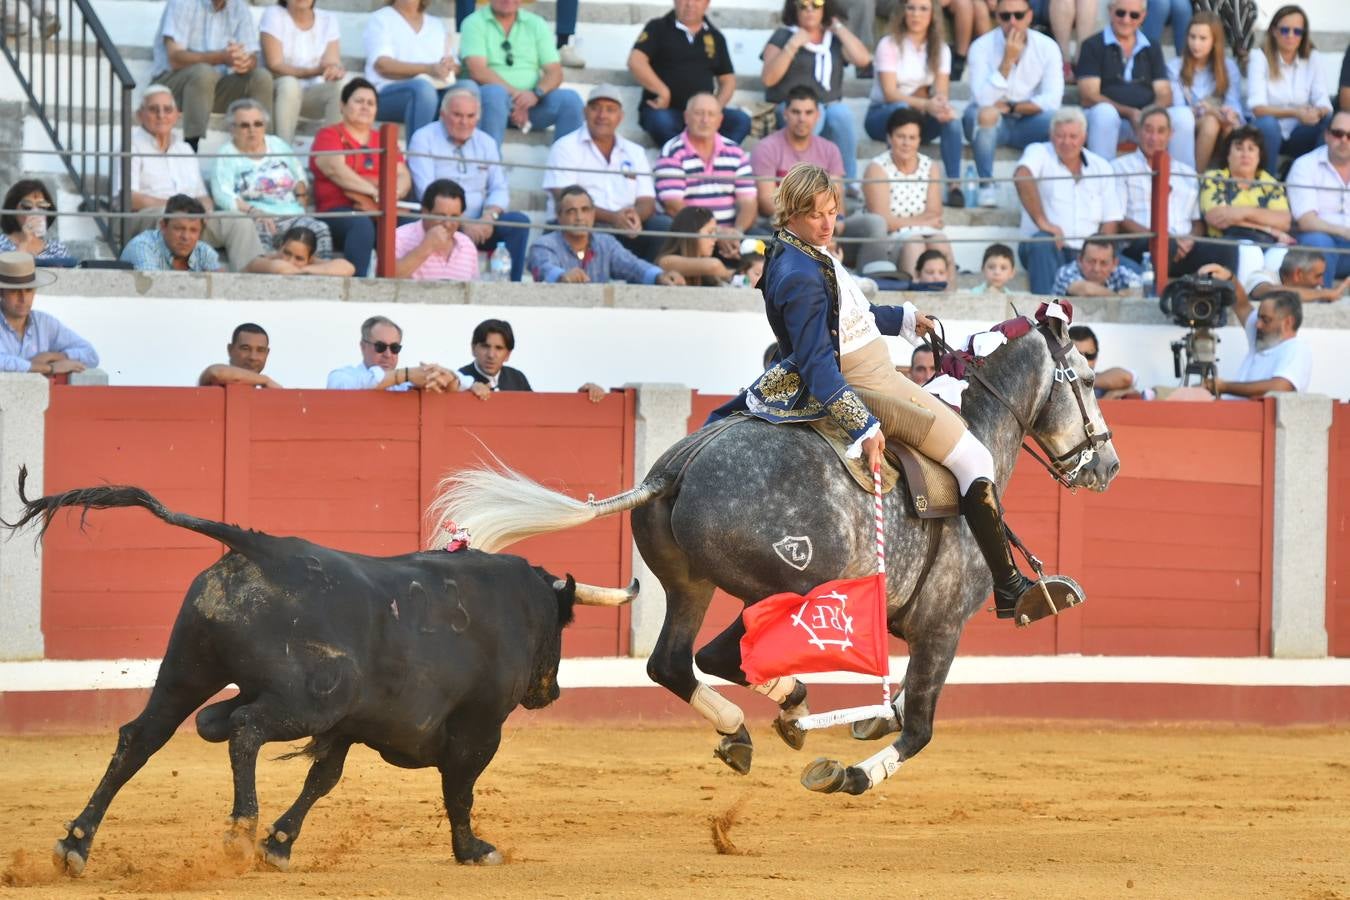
(840, 626)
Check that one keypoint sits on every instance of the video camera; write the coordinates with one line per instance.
(1200, 304)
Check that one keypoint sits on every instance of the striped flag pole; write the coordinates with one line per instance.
(881, 563)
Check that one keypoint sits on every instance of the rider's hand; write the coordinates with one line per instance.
(873, 448)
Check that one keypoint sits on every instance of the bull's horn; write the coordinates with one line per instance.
(590, 595)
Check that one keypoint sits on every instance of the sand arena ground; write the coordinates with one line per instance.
(1008, 810)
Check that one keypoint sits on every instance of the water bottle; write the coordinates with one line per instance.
(499, 264)
(970, 184)
(1148, 278)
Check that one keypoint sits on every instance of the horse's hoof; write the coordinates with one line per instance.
(871, 729)
(792, 734)
(67, 859)
(736, 750)
(824, 776)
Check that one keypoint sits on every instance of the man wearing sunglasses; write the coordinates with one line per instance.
(381, 343)
(1319, 197)
(1119, 73)
(1114, 383)
(1017, 83)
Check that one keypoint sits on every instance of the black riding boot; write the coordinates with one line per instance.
(984, 515)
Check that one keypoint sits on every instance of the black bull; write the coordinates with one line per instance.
(420, 657)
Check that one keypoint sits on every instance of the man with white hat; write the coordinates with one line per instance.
(31, 340)
(612, 169)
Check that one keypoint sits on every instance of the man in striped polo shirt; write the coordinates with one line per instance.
(699, 167)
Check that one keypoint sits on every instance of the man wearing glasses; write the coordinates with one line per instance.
(510, 53)
(1119, 74)
(456, 149)
(1319, 197)
(1017, 83)
(381, 343)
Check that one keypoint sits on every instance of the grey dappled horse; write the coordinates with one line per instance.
(710, 519)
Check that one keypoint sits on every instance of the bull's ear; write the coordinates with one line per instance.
(566, 592)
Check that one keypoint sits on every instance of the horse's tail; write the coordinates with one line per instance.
(500, 506)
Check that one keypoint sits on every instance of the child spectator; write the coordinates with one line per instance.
(998, 269)
(749, 270)
(932, 268)
(692, 256)
(297, 254)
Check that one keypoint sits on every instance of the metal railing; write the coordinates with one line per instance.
(80, 90)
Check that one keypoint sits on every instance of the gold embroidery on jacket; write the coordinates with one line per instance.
(850, 412)
(778, 385)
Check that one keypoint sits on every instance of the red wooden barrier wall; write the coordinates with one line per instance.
(351, 470)
(1338, 533)
(1175, 556)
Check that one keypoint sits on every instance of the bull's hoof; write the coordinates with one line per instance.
(871, 729)
(480, 854)
(736, 750)
(241, 838)
(68, 858)
(792, 734)
(825, 776)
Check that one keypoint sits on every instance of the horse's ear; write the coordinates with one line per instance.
(1056, 317)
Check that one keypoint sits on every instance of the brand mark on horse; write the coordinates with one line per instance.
(795, 551)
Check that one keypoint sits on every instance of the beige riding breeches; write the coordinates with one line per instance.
(871, 368)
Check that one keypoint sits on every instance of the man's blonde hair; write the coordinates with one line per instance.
(797, 192)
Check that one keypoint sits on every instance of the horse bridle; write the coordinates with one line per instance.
(1063, 467)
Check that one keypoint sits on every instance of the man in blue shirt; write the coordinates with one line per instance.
(378, 370)
(33, 341)
(176, 244)
(456, 149)
(579, 257)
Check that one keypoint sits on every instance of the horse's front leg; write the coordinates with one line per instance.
(929, 661)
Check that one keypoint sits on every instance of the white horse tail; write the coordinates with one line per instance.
(499, 507)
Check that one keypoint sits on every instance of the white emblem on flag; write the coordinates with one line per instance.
(795, 551)
(826, 621)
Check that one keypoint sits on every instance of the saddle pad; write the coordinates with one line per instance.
(932, 489)
(838, 440)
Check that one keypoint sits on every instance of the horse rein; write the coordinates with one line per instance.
(1063, 467)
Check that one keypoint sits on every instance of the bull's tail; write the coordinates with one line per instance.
(114, 496)
(500, 506)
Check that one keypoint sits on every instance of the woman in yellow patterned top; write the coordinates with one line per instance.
(1244, 200)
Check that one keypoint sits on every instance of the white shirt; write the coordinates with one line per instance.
(1183, 201)
(359, 377)
(909, 62)
(1297, 84)
(1314, 185)
(1037, 77)
(163, 173)
(1078, 207)
(632, 176)
(389, 34)
(302, 48)
(1291, 360)
(857, 325)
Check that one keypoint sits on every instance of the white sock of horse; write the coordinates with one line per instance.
(881, 765)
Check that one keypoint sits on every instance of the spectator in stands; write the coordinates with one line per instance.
(1067, 19)
(810, 50)
(260, 176)
(1302, 271)
(410, 59)
(436, 249)
(247, 353)
(1205, 91)
(676, 58)
(32, 340)
(901, 187)
(1318, 186)
(176, 245)
(511, 54)
(579, 257)
(797, 142)
(1285, 94)
(933, 267)
(29, 229)
(1343, 91)
(1159, 14)
(922, 365)
(1120, 71)
(163, 166)
(350, 181)
(998, 268)
(693, 256)
(612, 169)
(701, 150)
(297, 254)
(1244, 202)
(1096, 272)
(1108, 384)
(749, 270)
(1077, 198)
(206, 52)
(301, 48)
(492, 344)
(1183, 210)
(1016, 84)
(1277, 361)
(913, 68)
(381, 343)
(564, 27)
(439, 150)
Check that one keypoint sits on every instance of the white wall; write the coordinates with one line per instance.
(169, 341)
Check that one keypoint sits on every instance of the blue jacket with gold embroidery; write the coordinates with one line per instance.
(801, 299)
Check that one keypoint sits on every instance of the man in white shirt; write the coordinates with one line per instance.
(1068, 194)
(1183, 201)
(623, 193)
(1319, 197)
(1276, 361)
(1017, 83)
(165, 166)
(381, 343)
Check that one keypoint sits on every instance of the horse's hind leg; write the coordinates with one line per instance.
(722, 657)
(930, 659)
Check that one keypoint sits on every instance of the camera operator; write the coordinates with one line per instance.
(1276, 359)
(1111, 384)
